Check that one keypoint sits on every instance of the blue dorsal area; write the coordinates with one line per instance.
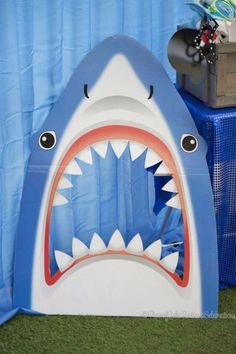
(112, 219)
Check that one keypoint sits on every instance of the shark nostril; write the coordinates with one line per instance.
(86, 91)
(151, 92)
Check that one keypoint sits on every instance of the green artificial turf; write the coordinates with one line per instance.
(80, 334)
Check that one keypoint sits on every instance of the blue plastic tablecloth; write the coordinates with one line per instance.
(218, 127)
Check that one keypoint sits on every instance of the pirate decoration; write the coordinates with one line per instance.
(206, 39)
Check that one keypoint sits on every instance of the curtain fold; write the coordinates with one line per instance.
(41, 43)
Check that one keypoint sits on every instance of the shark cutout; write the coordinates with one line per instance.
(117, 214)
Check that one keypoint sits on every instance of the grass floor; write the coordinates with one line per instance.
(74, 334)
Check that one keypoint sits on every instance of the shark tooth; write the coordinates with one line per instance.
(136, 149)
(174, 202)
(151, 159)
(64, 183)
(171, 261)
(73, 168)
(135, 246)
(116, 242)
(162, 170)
(59, 200)
(97, 245)
(101, 148)
(79, 249)
(154, 250)
(170, 186)
(119, 147)
(63, 260)
(85, 155)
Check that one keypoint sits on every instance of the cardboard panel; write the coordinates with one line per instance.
(117, 213)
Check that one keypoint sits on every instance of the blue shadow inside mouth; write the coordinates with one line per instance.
(115, 194)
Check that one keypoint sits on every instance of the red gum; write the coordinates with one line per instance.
(132, 134)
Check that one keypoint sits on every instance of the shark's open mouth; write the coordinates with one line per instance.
(117, 192)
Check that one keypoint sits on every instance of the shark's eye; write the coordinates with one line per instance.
(189, 143)
(47, 140)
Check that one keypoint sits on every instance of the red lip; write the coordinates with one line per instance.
(132, 134)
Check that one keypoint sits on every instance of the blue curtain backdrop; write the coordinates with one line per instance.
(41, 43)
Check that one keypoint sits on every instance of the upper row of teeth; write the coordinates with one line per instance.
(118, 146)
(116, 243)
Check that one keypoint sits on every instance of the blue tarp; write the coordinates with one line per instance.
(218, 128)
(41, 43)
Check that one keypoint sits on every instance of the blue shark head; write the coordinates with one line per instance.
(117, 213)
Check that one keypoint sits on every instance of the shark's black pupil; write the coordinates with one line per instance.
(47, 140)
(189, 143)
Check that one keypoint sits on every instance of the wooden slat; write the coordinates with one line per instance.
(231, 63)
(226, 48)
(221, 73)
(212, 90)
(224, 101)
(230, 84)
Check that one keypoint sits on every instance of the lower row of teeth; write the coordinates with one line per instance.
(116, 243)
(118, 146)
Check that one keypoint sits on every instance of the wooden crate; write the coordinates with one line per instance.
(218, 87)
